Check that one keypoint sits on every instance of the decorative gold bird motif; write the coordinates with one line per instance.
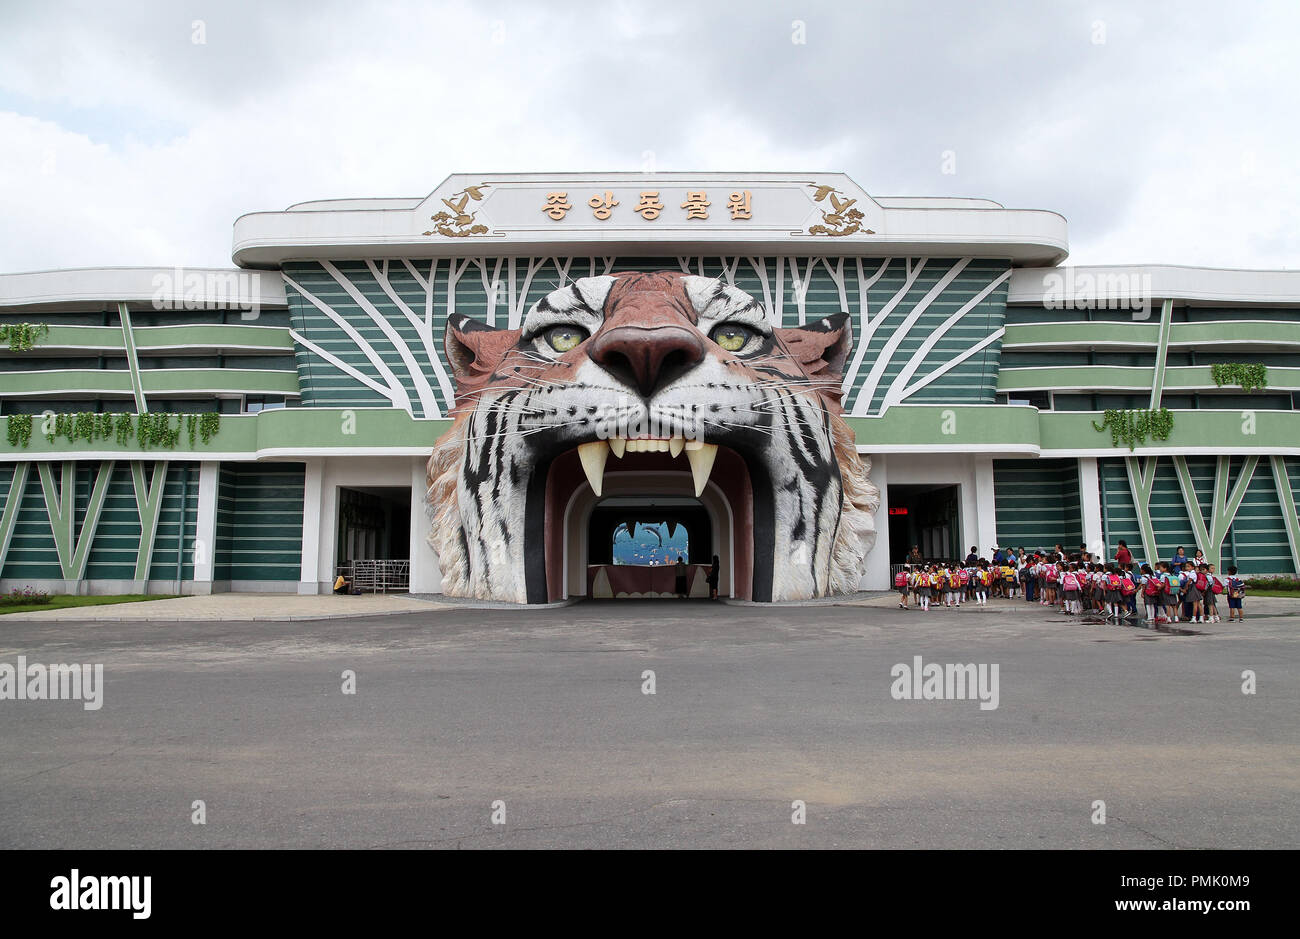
(460, 224)
(844, 219)
(458, 210)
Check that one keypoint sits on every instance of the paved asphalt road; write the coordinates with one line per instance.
(754, 708)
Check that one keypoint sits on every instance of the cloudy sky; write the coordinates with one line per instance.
(135, 133)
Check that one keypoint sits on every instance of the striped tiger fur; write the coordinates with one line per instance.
(695, 355)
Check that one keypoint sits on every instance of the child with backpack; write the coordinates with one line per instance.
(981, 582)
(1236, 593)
(942, 586)
(1198, 582)
(1212, 595)
(1173, 588)
(1111, 584)
(1070, 589)
(1128, 592)
(1052, 578)
(923, 589)
(1185, 581)
(1009, 580)
(902, 583)
(1152, 587)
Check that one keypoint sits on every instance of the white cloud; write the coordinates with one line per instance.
(125, 143)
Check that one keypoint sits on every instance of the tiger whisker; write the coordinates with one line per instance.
(524, 433)
(796, 420)
(768, 430)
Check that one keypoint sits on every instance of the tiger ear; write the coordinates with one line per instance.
(474, 349)
(822, 346)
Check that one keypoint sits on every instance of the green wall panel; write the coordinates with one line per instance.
(1258, 530)
(177, 521)
(1257, 541)
(112, 555)
(259, 521)
(1037, 503)
(1120, 519)
(32, 555)
(31, 552)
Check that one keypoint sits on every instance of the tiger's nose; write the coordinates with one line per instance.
(648, 357)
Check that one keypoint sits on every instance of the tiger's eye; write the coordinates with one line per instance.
(564, 338)
(731, 337)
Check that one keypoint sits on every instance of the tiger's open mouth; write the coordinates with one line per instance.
(699, 455)
(784, 521)
(665, 373)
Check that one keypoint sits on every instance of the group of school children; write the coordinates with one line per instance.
(1180, 590)
(951, 584)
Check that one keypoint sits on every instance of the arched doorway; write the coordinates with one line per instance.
(634, 543)
(644, 489)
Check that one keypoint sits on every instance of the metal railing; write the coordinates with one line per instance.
(373, 575)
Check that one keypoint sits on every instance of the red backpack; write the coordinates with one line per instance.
(1128, 588)
(1201, 582)
(900, 579)
(1112, 582)
(1154, 585)
(1216, 585)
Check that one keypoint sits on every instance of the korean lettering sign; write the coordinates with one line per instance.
(650, 205)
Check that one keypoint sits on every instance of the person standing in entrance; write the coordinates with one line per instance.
(713, 578)
(1123, 557)
(680, 584)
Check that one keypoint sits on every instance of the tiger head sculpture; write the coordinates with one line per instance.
(693, 358)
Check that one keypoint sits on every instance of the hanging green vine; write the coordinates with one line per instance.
(19, 427)
(209, 425)
(149, 430)
(1133, 427)
(123, 429)
(1249, 375)
(22, 336)
(155, 430)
